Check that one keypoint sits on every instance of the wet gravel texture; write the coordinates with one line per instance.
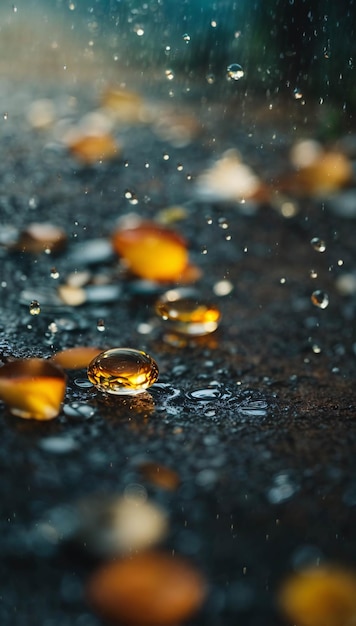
(266, 459)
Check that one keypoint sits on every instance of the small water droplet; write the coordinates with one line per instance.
(179, 167)
(100, 326)
(318, 244)
(313, 273)
(316, 349)
(234, 71)
(297, 93)
(186, 38)
(34, 307)
(54, 273)
(139, 31)
(210, 78)
(320, 299)
(5, 116)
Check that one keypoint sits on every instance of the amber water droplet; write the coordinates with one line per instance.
(318, 244)
(35, 308)
(186, 314)
(320, 299)
(123, 371)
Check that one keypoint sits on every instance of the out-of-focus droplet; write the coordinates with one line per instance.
(160, 475)
(152, 251)
(89, 149)
(223, 287)
(151, 588)
(186, 38)
(318, 244)
(32, 388)
(41, 113)
(112, 526)
(123, 371)
(313, 273)
(35, 308)
(234, 71)
(228, 179)
(320, 299)
(76, 358)
(297, 93)
(54, 273)
(317, 596)
(210, 79)
(186, 314)
(41, 237)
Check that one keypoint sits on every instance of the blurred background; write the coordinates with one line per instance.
(285, 47)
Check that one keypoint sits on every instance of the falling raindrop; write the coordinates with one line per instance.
(318, 244)
(320, 299)
(186, 38)
(234, 71)
(54, 273)
(298, 95)
(210, 78)
(313, 273)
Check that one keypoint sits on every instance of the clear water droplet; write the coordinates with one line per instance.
(320, 299)
(297, 93)
(35, 308)
(313, 273)
(210, 78)
(54, 273)
(186, 38)
(234, 71)
(318, 244)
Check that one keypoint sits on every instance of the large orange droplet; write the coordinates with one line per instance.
(152, 251)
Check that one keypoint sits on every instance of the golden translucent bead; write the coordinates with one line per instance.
(186, 314)
(32, 388)
(123, 371)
